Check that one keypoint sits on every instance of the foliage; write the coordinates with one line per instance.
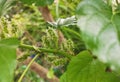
(5, 5)
(104, 41)
(57, 45)
(38, 2)
(85, 68)
(13, 28)
(8, 58)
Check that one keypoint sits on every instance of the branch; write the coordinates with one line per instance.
(46, 14)
(25, 71)
(37, 68)
(69, 56)
(40, 70)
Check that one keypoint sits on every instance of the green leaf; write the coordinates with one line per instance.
(7, 59)
(84, 68)
(63, 78)
(5, 5)
(100, 30)
(50, 73)
(38, 2)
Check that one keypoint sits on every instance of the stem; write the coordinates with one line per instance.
(69, 56)
(46, 14)
(23, 74)
(109, 2)
(73, 32)
(117, 2)
(57, 8)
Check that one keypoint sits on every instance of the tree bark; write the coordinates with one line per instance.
(40, 70)
(46, 14)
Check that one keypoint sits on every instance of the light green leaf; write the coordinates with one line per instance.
(50, 73)
(100, 30)
(63, 78)
(7, 59)
(38, 2)
(5, 5)
(84, 68)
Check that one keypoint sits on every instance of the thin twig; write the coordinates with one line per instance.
(117, 2)
(23, 74)
(69, 56)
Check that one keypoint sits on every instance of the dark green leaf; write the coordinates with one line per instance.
(7, 59)
(38, 2)
(100, 30)
(84, 68)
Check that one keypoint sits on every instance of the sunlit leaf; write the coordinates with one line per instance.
(100, 30)
(5, 5)
(7, 59)
(84, 68)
